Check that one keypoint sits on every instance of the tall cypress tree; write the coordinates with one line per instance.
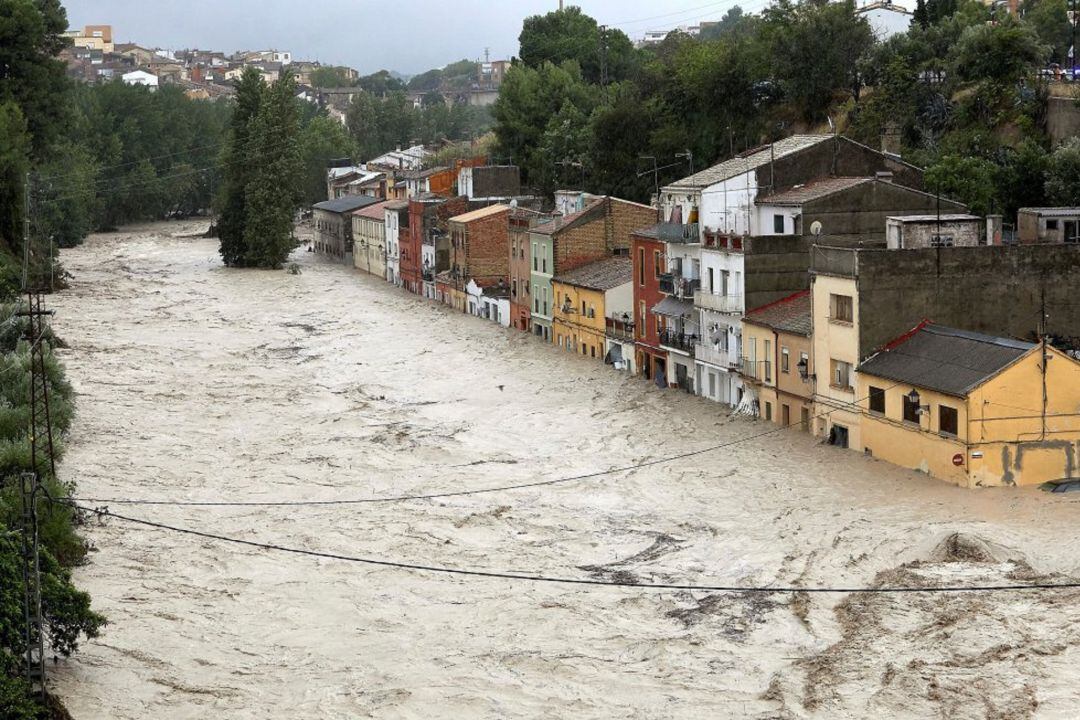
(238, 171)
(274, 187)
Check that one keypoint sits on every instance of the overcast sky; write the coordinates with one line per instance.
(405, 35)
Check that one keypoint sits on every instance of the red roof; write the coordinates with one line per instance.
(374, 212)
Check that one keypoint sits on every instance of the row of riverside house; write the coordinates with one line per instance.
(811, 283)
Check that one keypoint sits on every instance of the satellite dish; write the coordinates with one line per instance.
(816, 228)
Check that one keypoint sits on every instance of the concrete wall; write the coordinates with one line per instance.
(857, 217)
(1062, 119)
(839, 157)
(995, 290)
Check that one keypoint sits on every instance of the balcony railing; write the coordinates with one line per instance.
(720, 241)
(619, 329)
(759, 370)
(729, 304)
(706, 352)
(679, 341)
(680, 287)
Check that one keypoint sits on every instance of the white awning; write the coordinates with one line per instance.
(672, 307)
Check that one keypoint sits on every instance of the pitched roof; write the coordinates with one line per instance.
(421, 174)
(480, 214)
(346, 204)
(944, 359)
(750, 160)
(813, 191)
(567, 221)
(601, 275)
(374, 212)
(790, 314)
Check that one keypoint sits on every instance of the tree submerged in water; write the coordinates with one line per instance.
(263, 171)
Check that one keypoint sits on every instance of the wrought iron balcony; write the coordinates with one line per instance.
(619, 328)
(680, 287)
(679, 341)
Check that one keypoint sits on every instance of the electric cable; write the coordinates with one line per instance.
(595, 582)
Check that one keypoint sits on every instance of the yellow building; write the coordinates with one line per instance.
(835, 312)
(93, 37)
(777, 364)
(972, 409)
(585, 298)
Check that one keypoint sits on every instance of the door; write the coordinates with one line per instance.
(785, 415)
(681, 379)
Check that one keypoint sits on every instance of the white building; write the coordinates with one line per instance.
(886, 18)
(718, 207)
(397, 220)
(141, 77)
(408, 159)
(491, 303)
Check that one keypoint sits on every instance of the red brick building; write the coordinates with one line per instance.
(425, 250)
(648, 255)
(479, 246)
(521, 266)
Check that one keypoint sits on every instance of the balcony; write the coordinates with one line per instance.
(683, 233)
(619, 329)
(757, 370)
(679, 341)
(719, 241)
(429, 275)
(680, 287)
(728, 304)
(706, 352)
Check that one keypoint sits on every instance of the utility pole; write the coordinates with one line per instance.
(42, 454)
(33, 632)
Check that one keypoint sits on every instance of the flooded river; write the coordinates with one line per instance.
(200, 383)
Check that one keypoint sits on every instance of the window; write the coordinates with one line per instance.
(768, 360)
(785, 362)
(656, 263)
(641, 266)
(840, 308)
(582, 306)
(536, 266)
(841, 375)
(948, 420)
(1051, 225)
(592, 311)
(641, 319)
(911, 410)
(513, 288)
(877, 400)
(778, 224)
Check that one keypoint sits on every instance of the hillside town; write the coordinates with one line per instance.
(811, 283)
(95, 57)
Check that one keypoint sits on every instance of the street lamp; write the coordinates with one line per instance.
(803, 366)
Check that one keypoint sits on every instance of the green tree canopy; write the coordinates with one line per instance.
(571, 35)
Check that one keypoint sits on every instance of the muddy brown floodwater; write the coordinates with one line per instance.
(200, 383)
